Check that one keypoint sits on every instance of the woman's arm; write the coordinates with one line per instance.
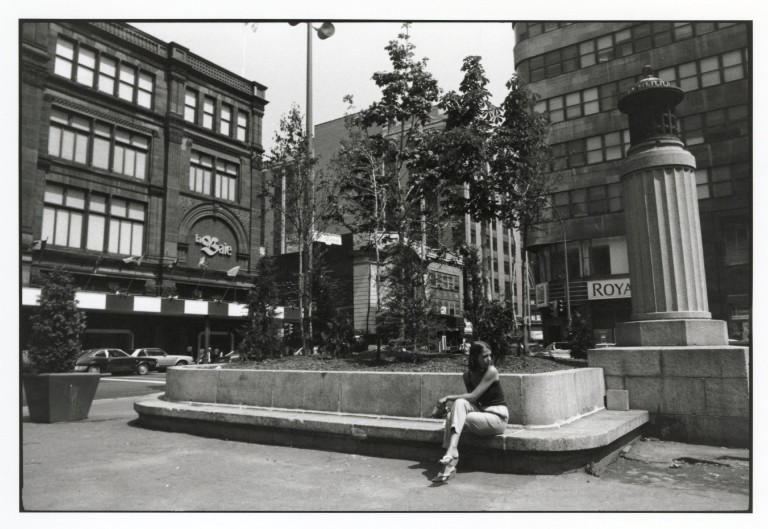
(490, 376)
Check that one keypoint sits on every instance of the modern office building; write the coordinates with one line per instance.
(580, 70)
(139, 176)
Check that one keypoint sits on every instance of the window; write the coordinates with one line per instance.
(190, 105)
(614, 198)
(594, 149)
(145, 89)
(69, 214)
(716, 125)
(598, 202)
(130, 154)
(722, 180)
(209, 105)
(91, 68)
(68, 137)
(600, 260)
(578, 202)
(86, 66)
(226, 180)
(126, 227)
(638, 38)
(242, 126)
(225, 125)
(736, 241)
(63, 216)
(107, 73)
(97, 205)
(71, 136)
(200, 170)
(65, 57)
(706, 72)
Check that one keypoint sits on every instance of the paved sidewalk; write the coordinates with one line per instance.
(106, 463)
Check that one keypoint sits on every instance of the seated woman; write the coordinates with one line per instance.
(482, 410)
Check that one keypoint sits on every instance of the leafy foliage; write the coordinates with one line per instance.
(305, 200)
(488, 162)
(408, 306)
(332, 327)
(580, 336)
(261, 333)
(382, 198)
(56, 324)
(496, 326)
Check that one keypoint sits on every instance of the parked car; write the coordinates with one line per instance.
(558, 350)
(164, 360)
(232, 356)
(113, 361)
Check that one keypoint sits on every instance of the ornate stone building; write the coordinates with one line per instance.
(139, 175)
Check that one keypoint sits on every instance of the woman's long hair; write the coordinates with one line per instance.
(475, 350)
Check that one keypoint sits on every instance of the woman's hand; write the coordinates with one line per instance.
(443, 400)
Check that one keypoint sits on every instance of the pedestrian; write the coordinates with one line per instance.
(200, 355)
(482, 410)
(215, 356)
(189, 352)
(208, 355)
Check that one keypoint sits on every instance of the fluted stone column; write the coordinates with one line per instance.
(666, 260)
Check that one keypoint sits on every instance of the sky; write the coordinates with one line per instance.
(275, 55)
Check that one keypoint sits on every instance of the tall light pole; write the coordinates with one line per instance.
(326, 30)
(565, 265)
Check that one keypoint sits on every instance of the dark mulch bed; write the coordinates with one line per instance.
(402, 362)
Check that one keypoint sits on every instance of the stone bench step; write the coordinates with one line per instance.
(587, 440)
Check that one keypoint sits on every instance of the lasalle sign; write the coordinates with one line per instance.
(211, 246)
(609, 289)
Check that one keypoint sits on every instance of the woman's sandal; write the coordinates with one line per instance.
(449, 471)
(449, 460)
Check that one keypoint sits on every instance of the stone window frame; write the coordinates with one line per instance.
(90, 130)
(75, 65)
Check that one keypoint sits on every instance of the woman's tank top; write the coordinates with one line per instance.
(493, 396)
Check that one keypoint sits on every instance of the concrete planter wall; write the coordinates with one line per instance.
(534, 400)
(693, 394)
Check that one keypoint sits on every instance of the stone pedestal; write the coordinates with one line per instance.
(693, 394)
(672, 358)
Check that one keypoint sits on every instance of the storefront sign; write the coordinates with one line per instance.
(542, 295)
(328, 238)
(609, 289)
(211, 246)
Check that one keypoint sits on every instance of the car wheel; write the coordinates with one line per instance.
(181, 363)
(94, 369)
(143, 369)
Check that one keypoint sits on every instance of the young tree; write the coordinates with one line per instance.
(304, 198)
(56, 325)
(261, 334)
(493, 163)
(380, 197)
(408, 305)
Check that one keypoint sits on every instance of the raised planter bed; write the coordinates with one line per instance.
(534, 400)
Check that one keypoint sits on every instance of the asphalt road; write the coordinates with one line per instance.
(108, 463)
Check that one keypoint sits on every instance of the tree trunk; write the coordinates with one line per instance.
(527, 304)
(302, 283)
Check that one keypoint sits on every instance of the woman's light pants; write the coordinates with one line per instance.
(486, 421)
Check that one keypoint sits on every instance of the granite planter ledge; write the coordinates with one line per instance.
(534, 400)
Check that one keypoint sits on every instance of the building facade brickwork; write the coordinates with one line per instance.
(139, 175)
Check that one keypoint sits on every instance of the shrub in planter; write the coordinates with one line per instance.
(54, 393)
